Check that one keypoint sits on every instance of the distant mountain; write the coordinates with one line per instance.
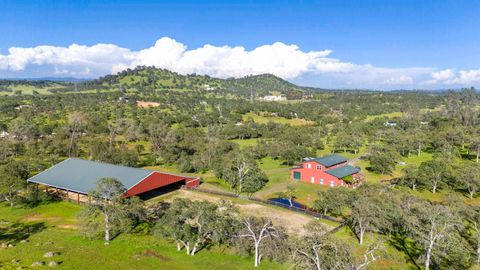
(60, 79)
(47, 79)
(145, 78)
(262, 85)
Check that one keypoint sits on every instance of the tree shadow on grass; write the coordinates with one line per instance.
(16, 232)
(402, 243)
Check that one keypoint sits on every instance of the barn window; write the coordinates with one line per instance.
(313, 179)
(321, 181)
(309, 165)
(319, 167)
(332, 184)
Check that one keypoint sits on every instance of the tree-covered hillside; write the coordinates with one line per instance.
(151, 79)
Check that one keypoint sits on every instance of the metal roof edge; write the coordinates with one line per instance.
(68, 189)
(51, 167)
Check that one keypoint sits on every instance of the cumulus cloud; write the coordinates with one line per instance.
(451, 77)
(284, 60)
(75, 59)
(400, 80)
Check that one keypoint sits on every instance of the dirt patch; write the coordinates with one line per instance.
(152, 253)
(67, 226)
(293, 222)
(34, 217)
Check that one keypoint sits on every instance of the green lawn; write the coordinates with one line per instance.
(52, 227)
(281, 120)
(384, 115)
(28, 89)
(242, 143)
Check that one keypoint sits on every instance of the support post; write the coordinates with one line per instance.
(78, 198)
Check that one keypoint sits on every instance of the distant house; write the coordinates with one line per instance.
(123, 99)
(274, 98)
(19, 107)
(4, 134)
(208, 87)
(147, 104)
(390, 124)
(330, 170)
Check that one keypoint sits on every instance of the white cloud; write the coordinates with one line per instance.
(451, 77)
(74, 59)
(445, 74)
(400, 80)
(284, 60)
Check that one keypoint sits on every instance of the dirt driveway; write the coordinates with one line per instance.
(293, 222)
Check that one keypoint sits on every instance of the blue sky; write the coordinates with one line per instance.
(345, 44)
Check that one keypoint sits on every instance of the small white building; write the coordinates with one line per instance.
(274, 98)
(390, 124)
(19, 107)
(4, 134)
(123, 99)
(208, 87)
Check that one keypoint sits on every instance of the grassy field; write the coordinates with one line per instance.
(384, 115)
(281, 120)
(245, 142)
(28, 89)
(52, 228)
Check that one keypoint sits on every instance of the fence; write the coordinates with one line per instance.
(304, 210)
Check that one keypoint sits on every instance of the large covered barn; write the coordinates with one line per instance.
(80, 176)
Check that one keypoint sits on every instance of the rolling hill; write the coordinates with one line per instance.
(144, 78)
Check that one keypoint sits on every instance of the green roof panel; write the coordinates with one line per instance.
(82, 175)
(343, 171)
(330, 160)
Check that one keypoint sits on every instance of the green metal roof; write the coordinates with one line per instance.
(343, 171)
(330, 160)
(81, 175)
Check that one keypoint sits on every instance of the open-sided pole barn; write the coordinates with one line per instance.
(80, 176)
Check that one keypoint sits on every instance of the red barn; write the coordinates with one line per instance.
(331, 170)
